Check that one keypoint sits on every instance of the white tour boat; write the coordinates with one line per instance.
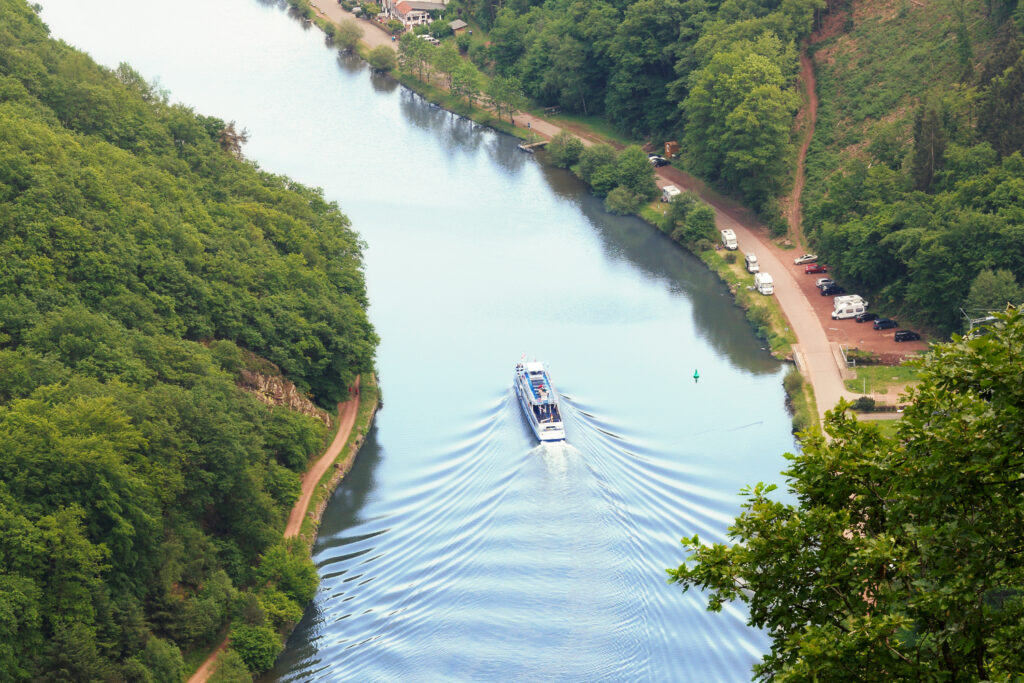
(539, 401)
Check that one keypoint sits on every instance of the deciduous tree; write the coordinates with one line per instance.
(348, 35)
(382, 58)
(900, 556)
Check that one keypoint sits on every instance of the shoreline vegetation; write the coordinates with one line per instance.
(221, 664)
(764, 314)
(166, 309)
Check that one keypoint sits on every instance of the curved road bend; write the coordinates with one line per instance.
(814, 352)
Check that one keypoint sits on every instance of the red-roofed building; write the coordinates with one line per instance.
(413, 12)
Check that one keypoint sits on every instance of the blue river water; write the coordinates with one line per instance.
(458, 548)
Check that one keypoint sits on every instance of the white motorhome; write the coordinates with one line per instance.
(752, 264)
(669, 192)
(729, 239)
(764, 283)
(848, 310)
(849, 299)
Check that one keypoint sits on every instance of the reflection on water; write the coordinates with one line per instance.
(382, 83)
(457, 548)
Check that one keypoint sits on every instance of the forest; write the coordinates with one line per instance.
(718, 76)
(144, 264)
(915, 175)
(914, 172)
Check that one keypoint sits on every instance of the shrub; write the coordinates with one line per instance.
(282, 611)
(291, 571)
(163, 661)
(793, 382)
(439, 28)
(463, 41)
(800, 423)
(231, 669)
(678, 209)
(760, 319)
(862, 357)
(864, 404)
(622, 201)
(478, 54)
(256, 645)
(604, 180)
(593, 158)
(635, 171)
(564, 149)
(382, 58)
(700, 224)
(394, 26)
(730, 257)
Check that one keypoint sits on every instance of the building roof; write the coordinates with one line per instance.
(423, 6)
(457, 24)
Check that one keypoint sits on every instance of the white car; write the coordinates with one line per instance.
(824, 282)
(806, 258)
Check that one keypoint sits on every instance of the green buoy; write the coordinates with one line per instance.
(696, 375)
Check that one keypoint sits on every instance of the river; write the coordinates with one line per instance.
(457, 548)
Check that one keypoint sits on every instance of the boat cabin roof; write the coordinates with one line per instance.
(534, 367)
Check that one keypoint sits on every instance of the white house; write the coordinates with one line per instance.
(413, 12)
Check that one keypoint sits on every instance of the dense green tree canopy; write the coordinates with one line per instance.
(143, 266)
(902, 557)
(634, 61)
(915, 177)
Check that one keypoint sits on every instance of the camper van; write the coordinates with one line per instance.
(764, 284)
(751, 261)
(729, 239)
(849, 299)
(848, 310)
(669, 192)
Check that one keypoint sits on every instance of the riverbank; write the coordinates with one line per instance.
(354, 419)
(787, 321)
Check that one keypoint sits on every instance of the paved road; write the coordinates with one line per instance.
(373, 35)
(814, 353)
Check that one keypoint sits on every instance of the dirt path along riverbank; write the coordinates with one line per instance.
(346, 420)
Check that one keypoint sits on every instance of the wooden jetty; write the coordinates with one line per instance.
(530, 146)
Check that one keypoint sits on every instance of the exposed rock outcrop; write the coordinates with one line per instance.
(275, 390)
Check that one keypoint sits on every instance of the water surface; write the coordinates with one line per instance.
(457, 548)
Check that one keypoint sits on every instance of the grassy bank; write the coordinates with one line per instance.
(763, 312)
(800, 400)
(881, 379)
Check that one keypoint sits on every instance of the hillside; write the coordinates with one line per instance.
(145, 268)
(914, 171)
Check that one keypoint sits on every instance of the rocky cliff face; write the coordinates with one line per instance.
(275, 390)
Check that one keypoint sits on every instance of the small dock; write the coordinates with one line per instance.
(530, 146)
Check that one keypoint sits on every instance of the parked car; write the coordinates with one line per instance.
(657, 160)
(905, 335)
(824, 282)
(806, 258)
(815, 268)
(866, 317)
(832, 290)
(885, 324)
